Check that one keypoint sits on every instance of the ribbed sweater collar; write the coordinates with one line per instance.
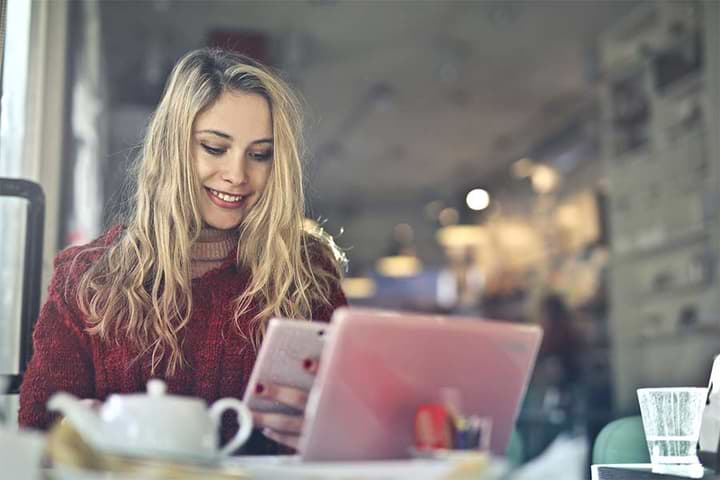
(214, 245)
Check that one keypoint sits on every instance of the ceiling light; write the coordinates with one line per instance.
(523, 168)
(477, 199)
(448, 216)
(544, 179)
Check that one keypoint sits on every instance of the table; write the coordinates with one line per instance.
(292, 468)
(643, 471)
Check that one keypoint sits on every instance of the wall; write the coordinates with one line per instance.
(660, 150)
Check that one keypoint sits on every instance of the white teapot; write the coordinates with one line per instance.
(155, 424)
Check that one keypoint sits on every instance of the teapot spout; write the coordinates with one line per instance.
(82, 418)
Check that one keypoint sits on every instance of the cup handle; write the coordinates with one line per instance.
(244, 419)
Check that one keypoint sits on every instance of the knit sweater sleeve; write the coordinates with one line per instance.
(62, 358)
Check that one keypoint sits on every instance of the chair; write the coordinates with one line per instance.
(515, 454)
(32, 267)
(621, 441)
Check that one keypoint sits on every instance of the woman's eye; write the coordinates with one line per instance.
(261, 156)
(213, 150)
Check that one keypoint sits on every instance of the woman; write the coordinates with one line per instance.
(213, 248)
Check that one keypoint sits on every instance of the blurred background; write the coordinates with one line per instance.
(548, 162)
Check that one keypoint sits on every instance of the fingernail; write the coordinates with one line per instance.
(259, 388)
(308, 363)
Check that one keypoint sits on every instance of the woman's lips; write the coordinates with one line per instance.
(224, 200)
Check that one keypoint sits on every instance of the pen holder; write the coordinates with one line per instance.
(440, 433)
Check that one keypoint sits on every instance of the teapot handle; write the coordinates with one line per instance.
(244, 420)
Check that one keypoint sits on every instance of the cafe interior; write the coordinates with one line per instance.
(550, 163)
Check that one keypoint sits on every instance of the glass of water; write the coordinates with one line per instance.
(671, 419)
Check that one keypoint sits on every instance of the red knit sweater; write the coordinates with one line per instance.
(67, 358)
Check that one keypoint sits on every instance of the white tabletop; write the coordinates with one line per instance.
(292, 468)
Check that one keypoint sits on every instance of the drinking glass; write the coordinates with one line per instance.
(671, 419)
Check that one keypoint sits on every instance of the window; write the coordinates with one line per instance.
(13, 91)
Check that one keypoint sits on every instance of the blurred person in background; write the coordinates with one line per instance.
(554, 401)
(559, 351)
(183, 287)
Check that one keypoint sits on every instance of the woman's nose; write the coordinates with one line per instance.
(234, 172)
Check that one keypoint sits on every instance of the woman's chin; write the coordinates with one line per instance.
(223, 225)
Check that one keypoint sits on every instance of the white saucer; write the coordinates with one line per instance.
(155, 456)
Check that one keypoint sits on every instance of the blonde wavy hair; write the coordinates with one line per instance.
(140, 287)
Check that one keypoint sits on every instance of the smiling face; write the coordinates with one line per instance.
(233, 153)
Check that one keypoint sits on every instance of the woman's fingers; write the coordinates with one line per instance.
(279, 422)
(292, 397)
(282, 438)
(281, 427)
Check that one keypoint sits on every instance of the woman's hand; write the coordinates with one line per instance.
(280, 427)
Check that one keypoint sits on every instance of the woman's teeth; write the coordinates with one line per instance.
(225, 197)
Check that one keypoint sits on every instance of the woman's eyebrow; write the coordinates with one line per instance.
(217, 132)
(227, 136)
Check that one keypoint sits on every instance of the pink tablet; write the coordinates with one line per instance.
(379, 366)
(287, 344)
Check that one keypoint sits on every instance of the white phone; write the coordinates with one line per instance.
(709, 442)
(286, 346)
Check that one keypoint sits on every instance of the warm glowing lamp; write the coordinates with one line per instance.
(477, 199)
(399, 266)
(460, 236)
(358, 287)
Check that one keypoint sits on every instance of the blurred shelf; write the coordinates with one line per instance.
(681, 291)
(674, 242)
(701, 331)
